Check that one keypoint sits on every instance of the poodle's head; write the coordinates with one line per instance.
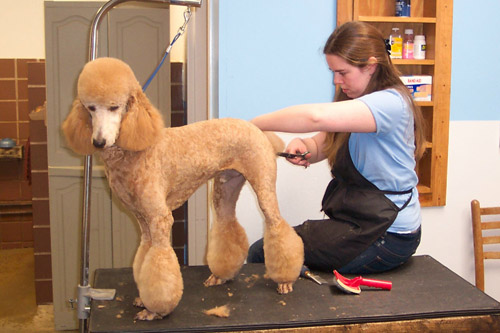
(110, 109)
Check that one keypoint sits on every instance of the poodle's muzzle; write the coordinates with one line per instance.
(106, 122)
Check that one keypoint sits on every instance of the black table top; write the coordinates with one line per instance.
(422, 288)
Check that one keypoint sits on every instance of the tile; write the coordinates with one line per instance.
(8, 111)
(41, 215)
(22, 89)
(22, 67)
(23, 111)
(39, 184)
(27, 231)
(36, 73)
(24, 130)
(176, 72)
(177, 103)
(7, 69)
(179, 213)
(26, 190)
(7, 90)
(36, 97)
(9, 190)
(178, 234)
(9, 169)
(43, 266)
(177, 119)
(43, 290)
(38, 131)
(41, 237)
(8, 130)
(39, 157)
(11, 232)
(180, 255)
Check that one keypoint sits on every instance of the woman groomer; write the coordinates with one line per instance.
(372, 136)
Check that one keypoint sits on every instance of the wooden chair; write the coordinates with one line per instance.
(493, 222)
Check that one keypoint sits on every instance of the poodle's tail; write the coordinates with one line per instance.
(276, 141)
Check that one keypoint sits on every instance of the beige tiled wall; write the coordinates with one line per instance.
(14, 123)
(24, 215)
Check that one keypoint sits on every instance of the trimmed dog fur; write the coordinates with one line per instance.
(153, 170)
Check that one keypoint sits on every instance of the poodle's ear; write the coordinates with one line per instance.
(77, 129)
(142, 124)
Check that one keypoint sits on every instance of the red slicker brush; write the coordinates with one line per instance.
(351, 286)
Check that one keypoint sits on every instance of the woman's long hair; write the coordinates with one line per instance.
(356, 42)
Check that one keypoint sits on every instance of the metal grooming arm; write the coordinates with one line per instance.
(85, 292)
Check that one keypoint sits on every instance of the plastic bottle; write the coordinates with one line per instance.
(419, 47)
(403, 8)
(408, 44)
(396, 44)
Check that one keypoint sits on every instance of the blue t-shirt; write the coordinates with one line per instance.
(386, 157)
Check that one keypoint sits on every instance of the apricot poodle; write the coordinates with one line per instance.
(154, 170)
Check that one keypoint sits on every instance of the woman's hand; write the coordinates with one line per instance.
(297, 146)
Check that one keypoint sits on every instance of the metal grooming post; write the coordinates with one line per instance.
(85, 292)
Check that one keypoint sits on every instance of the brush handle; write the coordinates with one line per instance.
(376, 283)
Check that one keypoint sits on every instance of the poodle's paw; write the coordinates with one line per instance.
(285, 288)
(138, 302)
(213, 281)
(147, 315)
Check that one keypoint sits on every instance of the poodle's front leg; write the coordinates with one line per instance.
(159, 279)
(228, 243)
(138, 261)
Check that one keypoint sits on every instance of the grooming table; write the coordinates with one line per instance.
(425, 296)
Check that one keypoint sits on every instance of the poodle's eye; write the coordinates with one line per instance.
(113, 108)
(91, 108)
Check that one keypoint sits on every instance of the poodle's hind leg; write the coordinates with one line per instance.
(228, 243)
(158, 278)
(283, 248)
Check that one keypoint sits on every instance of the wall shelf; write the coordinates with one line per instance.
(434, 19)
(395, 19)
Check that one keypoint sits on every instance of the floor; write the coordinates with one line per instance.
(18, 309)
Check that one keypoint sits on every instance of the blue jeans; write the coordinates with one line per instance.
(389, 251)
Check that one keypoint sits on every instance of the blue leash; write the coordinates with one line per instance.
(187, 16)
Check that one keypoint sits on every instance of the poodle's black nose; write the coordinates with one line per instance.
(99, 144)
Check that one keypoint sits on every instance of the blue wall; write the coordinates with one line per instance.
(475, 61)
(270, 56)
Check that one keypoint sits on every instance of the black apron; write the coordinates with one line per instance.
(359, 213)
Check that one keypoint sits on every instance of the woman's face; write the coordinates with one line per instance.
(353, 80)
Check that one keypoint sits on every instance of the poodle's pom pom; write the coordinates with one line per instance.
(227, 249)
(284, 253)
(160, 281)
(77, 129)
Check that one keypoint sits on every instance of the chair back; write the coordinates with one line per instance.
(484, 219)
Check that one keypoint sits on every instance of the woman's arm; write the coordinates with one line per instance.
(345, 116)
